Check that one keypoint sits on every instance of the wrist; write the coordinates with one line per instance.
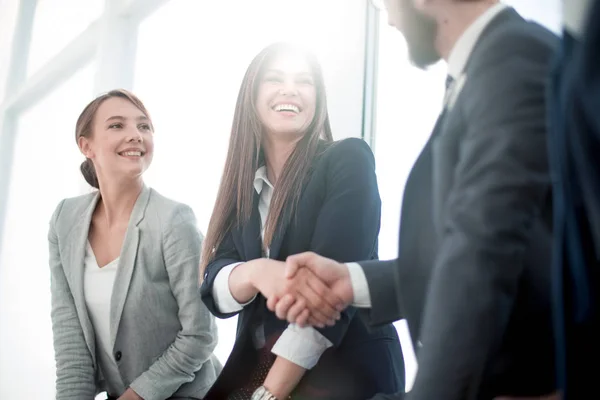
(347, 283)
(264, 393)
(256, 269)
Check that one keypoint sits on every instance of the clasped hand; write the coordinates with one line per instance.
(312, 290)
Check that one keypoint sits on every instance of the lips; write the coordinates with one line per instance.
(287, 107)
(132, 153)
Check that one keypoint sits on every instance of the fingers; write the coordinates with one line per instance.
(333, 303)
(294, 263)
(296, 309)
(272, 302)
(316, 294)
(302, 319)
(283, 306)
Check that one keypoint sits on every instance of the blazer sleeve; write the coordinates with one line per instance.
(197, 338)
(75, 374)
(348, 223)
(499, 187)
(382, 282)
(226, 254)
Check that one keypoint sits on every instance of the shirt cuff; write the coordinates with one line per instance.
(574, 14)
(224, 300)
(360, 286)
(302, 346)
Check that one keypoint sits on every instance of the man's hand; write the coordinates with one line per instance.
(130, 395)
(305, 294)
(269, 278)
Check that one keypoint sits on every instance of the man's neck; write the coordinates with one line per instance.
(456, 19)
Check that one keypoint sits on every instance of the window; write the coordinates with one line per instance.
(45, 170)
(56, 23)
(8, 19)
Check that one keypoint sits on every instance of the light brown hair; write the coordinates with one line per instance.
(85, 122)
(233, 206)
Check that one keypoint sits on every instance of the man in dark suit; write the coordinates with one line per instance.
(472, 276)
(574, 135)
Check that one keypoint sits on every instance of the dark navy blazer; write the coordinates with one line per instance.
(574, 147)
(338, 216)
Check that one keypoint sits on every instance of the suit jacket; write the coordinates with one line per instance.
(472, 277)
(574, 101)
(338, 215)
(162, 333)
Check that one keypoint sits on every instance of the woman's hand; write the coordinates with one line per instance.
(272, 279)
(267, 276)
(130, 395)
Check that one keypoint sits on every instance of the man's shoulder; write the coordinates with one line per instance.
(512, 40)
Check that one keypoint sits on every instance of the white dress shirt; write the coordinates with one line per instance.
(574, 15)
(457, 60)
(302, 346)
(97, 289)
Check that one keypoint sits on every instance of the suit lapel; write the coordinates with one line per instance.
(127, 262)
(77, 241)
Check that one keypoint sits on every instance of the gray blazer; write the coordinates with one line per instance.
(163, 335)
(472, 277)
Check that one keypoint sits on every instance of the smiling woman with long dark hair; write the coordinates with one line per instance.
(287, 187)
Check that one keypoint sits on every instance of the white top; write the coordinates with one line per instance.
(97, 289)
(302, 346)
(574, 15)
(459, 55)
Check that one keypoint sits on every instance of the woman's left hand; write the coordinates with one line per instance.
(130, 395)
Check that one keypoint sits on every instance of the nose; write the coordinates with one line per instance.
(135, 136)
(288, 88)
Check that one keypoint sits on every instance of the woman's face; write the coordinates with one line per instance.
(286, 98)
(121, 144)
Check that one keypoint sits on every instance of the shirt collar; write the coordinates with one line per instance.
(260, 178)
(457, 60)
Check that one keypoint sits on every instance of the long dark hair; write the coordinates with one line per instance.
(234, 202)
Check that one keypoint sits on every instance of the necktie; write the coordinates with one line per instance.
(449, 81)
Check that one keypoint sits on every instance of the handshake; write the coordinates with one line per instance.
(310, 290)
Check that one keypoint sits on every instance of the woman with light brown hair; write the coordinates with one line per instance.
(287, 187)
(126, 314)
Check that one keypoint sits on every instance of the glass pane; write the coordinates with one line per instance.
(58, 22)
(8, 19)
(408, 103)
(45, 170)
(189, 79)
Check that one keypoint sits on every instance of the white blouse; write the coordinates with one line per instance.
(97, 288)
